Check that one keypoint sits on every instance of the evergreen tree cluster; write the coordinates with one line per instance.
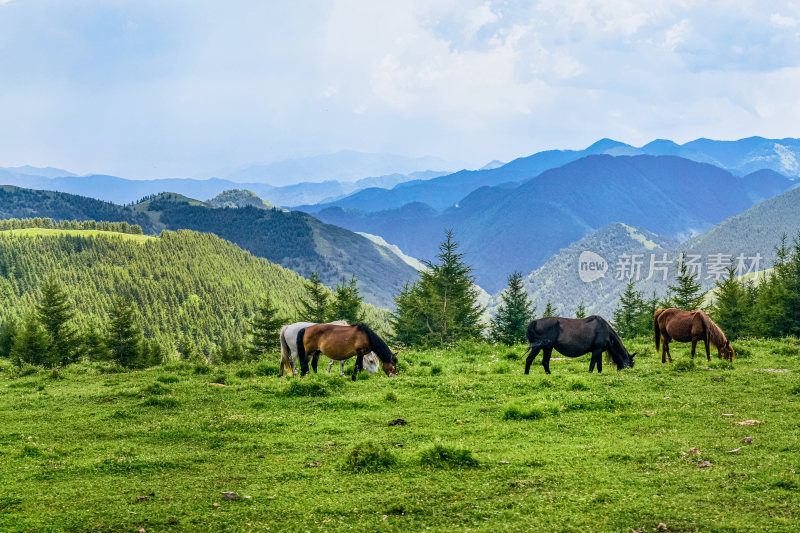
(766, 307)
(510, 324)
(47, 223)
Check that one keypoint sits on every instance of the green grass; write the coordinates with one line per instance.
(484, 448)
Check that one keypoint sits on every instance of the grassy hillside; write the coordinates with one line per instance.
(181, 283)
(485, 447)
(296, 241)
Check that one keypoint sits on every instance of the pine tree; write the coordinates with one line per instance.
(631, 306)
(31, 343)
(7, 333)
(449, 289)
(442, 306)
(730, 305)
(510, 324)
(124, 336)
(581, 311)
(93, 343)
(55, 313)
(407, 318)
(264, 330)
(314, 308)
(644, 321)
(549, 310)
(346, 304)
(688, 293)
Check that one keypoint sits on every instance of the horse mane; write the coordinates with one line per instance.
(376, 344)
(713, 331)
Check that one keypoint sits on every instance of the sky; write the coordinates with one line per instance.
(168, 88)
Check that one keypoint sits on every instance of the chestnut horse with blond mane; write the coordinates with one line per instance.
(689, 326)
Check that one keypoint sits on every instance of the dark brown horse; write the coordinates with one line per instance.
(343, 342)
(576, 336)
(689, 326)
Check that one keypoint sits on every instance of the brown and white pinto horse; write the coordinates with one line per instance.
(689, 326)
(343, 342)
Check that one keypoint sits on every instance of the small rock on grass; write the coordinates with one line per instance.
(747, 440)
(662, 527)
(314, 464)
(229, 495)
(215, 505)
(505, 462)
(694, 451)
(735, 450)
(749, 422)
(398, 422)
(705, 464)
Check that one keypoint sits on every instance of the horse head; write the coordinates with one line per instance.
(390, 367)
(727, 352)
(630, 362)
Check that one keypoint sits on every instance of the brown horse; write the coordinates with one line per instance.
(343, 342)
(689, 326)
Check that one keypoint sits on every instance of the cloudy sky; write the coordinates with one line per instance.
(169, 88)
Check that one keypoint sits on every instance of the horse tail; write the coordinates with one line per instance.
(376, 344)
(301, 347)
(285, 351)
(656, 328)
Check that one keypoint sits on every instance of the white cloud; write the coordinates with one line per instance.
(178, 91)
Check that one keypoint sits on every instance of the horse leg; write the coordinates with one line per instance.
(546, 359)
(531, 357)
(694, 345)
(304, 365)
(599, 356)
(593, 362)
(359, 365)
(341, 367)
(708, 350)
(669, 354)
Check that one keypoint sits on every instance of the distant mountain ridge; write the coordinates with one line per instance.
(125, 191)
(526, 224)
(738, 157)
(344, 165)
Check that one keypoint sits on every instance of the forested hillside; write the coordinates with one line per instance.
(182, 285)
(294, 240)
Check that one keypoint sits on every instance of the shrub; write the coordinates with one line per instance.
(515, 412)
(167, 379)
(369, 457)
(577, 384)
(436, 370)
(390, 397)
(155, 389)
(220, 378)
(684, 365)
(306, 387)
(202, 368)
(439, 456)
(163, 402)
(244, 373)
(266, 369)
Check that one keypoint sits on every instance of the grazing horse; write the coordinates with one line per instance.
(574, 337)
(343, 342)
(288, 339)
(689, 326)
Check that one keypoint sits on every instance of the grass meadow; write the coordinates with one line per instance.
(484, 447)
